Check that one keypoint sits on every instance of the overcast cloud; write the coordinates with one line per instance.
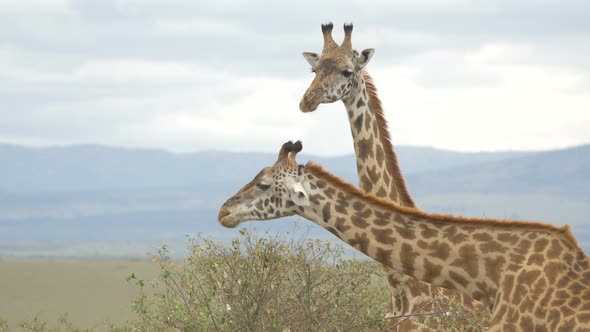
(228, 75)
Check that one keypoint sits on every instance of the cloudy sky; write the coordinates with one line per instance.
(228, 75)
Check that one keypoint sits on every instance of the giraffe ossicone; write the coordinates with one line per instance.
(533, 276)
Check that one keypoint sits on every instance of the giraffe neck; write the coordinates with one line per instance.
(467, 255)
(377, 166)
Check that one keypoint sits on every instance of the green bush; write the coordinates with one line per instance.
(262, 284)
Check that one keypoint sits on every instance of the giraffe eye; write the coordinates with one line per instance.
(347, 72)
(263, 186)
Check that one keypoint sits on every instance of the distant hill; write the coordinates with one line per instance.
(92, 167)
(102, 201)
(563, 173)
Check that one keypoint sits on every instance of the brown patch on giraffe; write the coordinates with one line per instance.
(459, 238)
(552, 270)
(527, 324)
(567, 311)
(541, 245)
(316, 199)
(341, 225)
(440, 250)
(466, 260)
(584, 317)
(342, 204)
(517, 259)
(432, 271)
(524, 246)
(358, 123)
(494, 268)
(555, 250)
(381, 222)
(574, 302)
(459, 279)
(258, 205)
(383, 256)
(379, 156)
(544, 302)
(492, 246)
(382, 215)
(507, 284)
(536, 259)
(383, 235)
(360, 241)
(527, 278)
(553, 316)
(486, 291)
(381, 192)
(330, 192)
(358, 206)
(482, 237)
(428, 233)
(366, 183)
(369, 124)
(408, 258)
(373, 174)
(326, 212)
(387, 181)
(405, 232)
(519, 292)
(359, 221)
(360, 103)
(365, 148)
(449, 231)
(508, 238)
(365, 214)
(382, 219)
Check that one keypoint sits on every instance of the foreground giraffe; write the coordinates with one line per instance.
(341, 75)
(532, 276)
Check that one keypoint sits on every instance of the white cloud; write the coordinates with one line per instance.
(142, 70)
(431, 6)
(190, 75)
(528, 106)
(35, 7)
(203, 27)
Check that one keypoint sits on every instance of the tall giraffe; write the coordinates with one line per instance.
(340, 75)
(533, 276)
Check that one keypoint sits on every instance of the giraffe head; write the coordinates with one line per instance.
(338, 70)
(277, 191)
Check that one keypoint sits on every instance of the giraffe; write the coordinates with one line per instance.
(532, 276)
(340, 74)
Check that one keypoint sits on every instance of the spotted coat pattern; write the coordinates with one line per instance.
(532, 276)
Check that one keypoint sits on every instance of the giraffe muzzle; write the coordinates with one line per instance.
(225, 218)
(311, 100)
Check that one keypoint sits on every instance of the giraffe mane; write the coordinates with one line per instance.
(322, 173)
(390, 156)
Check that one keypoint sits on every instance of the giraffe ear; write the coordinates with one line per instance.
(364, 58)
(299, 195)
(312, 58)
